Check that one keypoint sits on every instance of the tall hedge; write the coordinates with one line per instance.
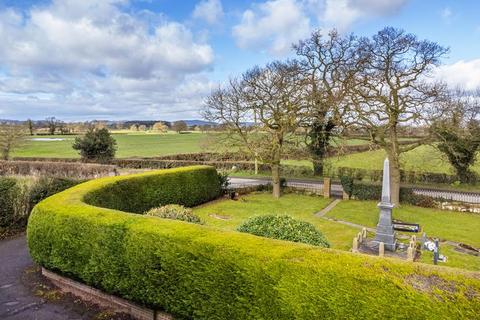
(200, 272)
(139, 194)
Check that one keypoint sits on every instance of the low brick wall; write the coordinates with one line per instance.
(105, 300)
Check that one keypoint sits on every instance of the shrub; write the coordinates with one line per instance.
(347, 184)
(224, 183)
(174, 212)
(284, 228)
(8, 192)
(177, 267)
(96, 145)
(44, 187)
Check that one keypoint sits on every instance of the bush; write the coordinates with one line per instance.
(96, 145)
(174, 212)
(8, 193)
(44, 187)
(284, 228)
(347, 184)
(176, 267)
(224, 183)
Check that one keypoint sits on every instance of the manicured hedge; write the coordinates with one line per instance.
(201, 272)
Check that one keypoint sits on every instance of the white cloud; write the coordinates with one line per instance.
(274, 24)
(94, 59)
(211, 11)
(341, 14)
(462, 74)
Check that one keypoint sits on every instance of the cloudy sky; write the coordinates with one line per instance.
(158, 59)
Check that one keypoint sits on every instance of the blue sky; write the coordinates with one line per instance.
(158, 59)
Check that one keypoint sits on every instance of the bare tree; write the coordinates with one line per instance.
(30, 126)
(392, 89)
(329, 64)
(11, 136)
(273, 97)
(179, 126)
(52, 124)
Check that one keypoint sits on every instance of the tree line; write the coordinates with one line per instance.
(343, 84)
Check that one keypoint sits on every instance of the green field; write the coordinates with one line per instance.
(129, 145)
(423, 159)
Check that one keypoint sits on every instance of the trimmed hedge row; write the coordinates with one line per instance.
(411, 177)
(367, 191)
(56, 169)
(183, 186)
(201, 272)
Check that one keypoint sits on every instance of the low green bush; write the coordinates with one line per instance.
(284, 228)
(200, 272)
(174, 212)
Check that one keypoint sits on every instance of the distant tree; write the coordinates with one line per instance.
(62, 127)
(179, 126)
(30, 126)
(273, 96)
(96, 145)
(119, 125)
(160, 127)
(142, 127)
(11, 136)
(134, 127)
(391, 90)
(458, 134)
(52, 124)
(100, 124)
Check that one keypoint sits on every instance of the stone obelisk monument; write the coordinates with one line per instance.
(385, 232)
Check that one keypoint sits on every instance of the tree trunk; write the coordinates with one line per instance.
(394, 158)
(276, 180)
(394, 179)
(318, 167)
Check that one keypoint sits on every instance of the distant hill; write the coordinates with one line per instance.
(198, 123)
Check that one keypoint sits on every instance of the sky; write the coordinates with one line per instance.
(159, 59)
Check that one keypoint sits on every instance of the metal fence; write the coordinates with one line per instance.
(467, 197)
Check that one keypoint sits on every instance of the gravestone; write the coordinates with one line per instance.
(385, 232)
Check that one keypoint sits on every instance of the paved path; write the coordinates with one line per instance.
(328, 208)
(18, 280)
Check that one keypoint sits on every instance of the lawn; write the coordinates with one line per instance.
(445, 225)
(129, 145)
(302, 207)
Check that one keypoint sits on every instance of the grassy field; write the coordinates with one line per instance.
(301, 207)
(423, 159)
(445, 225)
(129, 145)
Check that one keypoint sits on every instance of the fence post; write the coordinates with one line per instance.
(327, 187)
